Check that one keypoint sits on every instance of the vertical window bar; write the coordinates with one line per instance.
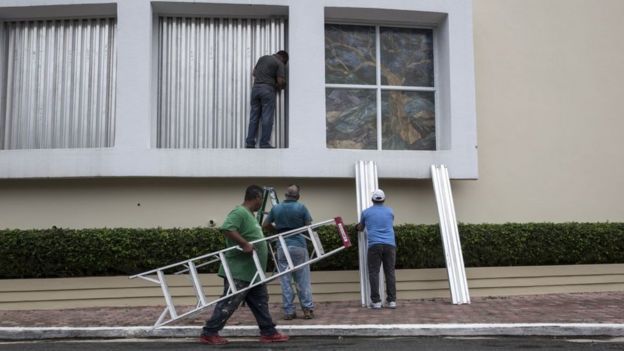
(378, 84)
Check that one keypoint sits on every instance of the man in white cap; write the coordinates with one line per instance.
(378, 221)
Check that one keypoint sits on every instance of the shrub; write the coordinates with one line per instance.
(60, 252)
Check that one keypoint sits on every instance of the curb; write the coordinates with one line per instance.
(363, 330)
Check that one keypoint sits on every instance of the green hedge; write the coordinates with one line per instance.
(95, 252)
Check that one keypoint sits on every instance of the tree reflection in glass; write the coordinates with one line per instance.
(349, 54)
(351, 118)
(408, 120)
(406, 57)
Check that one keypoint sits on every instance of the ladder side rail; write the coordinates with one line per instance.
(161, 318)
(228, 274)
(316, 244)
(149, 279)
(199, 291)
(459, 257)
(286, 252)
(197, 265)
(167, 295)
(443, 227)
(259, 269)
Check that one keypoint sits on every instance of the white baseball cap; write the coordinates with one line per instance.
(378, 195)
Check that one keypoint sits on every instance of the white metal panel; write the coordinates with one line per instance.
(205, 79)
(60, 84)
(366, 182)
(450, 235)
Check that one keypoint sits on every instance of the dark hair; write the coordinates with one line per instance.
(284, 55)
(252, 192)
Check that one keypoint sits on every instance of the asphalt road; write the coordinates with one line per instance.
(332, 343)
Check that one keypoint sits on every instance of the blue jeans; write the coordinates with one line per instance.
(301, 277)
(257, 299)
(262, 112)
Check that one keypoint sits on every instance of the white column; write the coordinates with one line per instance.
(306, 46)
(134, 62)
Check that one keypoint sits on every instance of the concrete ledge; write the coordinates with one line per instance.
(521, 329)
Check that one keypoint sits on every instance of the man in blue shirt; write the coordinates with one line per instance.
(286, 216)
(378, 221)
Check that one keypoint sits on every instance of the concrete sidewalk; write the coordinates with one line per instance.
(554, 314)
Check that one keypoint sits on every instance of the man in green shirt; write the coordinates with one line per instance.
(240, 228)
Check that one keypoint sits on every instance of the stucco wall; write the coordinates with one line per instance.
(548, 84)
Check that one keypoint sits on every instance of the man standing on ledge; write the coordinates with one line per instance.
(269, 78)
(378, 221)
(240, 227)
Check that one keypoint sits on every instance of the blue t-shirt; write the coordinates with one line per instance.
(378, 220)
(290, 215)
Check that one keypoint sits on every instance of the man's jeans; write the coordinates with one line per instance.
(257, 299)
(262, 112)
(301, 276)
(376, 255)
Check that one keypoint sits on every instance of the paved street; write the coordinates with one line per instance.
(334, 343)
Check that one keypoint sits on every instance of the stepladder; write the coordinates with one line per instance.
(321, 247)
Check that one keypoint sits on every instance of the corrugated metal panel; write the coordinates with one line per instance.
(60, 84)
(205, 67)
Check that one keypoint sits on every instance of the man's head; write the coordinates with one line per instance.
(283, 55)
(378, 196)
(292, 192)
(253, 197)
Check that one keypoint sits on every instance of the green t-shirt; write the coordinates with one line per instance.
(241, 264)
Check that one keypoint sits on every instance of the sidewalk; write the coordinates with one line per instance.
(554, 314)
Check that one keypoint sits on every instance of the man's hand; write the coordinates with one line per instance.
(244, 244)
(359, 227)
(247, 247)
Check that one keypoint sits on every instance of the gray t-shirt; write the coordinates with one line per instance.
(268, 69)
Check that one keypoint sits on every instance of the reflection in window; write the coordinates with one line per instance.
(395, 98)
(408, 120)
(351, 119)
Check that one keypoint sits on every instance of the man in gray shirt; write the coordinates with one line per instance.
(269, 78)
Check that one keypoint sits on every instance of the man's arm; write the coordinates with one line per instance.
(244, 244)
(281, 83)
(268, 226)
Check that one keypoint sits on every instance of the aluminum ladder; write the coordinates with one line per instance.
(450, 235)
(190, 268)
(268, 193)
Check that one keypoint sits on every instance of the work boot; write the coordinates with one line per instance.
(213, 340)
(308, 314)
(277, 337)
(290, 316)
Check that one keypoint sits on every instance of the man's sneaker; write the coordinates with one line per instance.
(391, 304)
(277, 337)
(308, 314)
(375, 305)
(290, 316)
(213, 340)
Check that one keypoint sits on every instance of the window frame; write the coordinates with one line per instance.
(379, 87)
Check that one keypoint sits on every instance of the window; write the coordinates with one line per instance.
(58, 84)
(380, 88)
(205, 79)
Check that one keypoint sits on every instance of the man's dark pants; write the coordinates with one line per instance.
(262, 113)
(257, 298)
(378, 254)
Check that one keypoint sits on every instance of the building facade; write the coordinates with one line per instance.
(134, 113)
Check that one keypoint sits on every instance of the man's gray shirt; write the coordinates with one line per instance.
(268, 69)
